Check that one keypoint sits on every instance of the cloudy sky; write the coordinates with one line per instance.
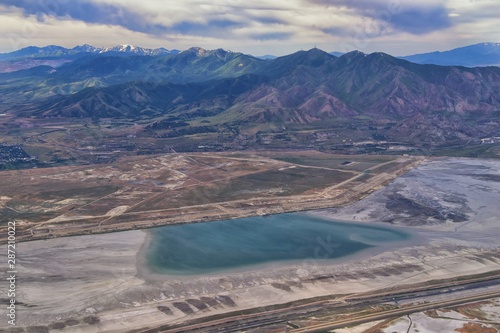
(278, 27)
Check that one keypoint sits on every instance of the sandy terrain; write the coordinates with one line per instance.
(148, 191)
(478, 317)
(100, 283)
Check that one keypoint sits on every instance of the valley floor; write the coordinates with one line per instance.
(148, 191)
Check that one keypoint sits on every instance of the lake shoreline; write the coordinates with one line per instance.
(284, 267)
(106, 276)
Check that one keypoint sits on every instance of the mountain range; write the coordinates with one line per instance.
(302, 99)
(55, 56)
(482, 54)
(54, 51)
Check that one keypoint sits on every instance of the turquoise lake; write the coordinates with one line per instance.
(201, 248)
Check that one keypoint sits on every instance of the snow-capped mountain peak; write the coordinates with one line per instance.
(125, 48)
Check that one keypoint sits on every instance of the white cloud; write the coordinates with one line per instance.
(278, 27)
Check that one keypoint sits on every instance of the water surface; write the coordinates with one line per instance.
(200, 248)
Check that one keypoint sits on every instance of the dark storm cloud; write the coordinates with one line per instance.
(88, 12)
(109, 14)
(402, 15)
(420, 21)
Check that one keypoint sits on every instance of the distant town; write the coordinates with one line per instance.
(13, 154)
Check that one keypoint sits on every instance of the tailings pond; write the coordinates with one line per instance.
(200, 248)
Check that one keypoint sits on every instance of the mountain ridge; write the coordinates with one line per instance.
(488, 53)
(205, 92)
(480, 54)
(55, 50)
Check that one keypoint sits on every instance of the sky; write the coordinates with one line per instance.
(276, 27)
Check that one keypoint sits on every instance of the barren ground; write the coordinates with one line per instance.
(99, 283)
(141, 192)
